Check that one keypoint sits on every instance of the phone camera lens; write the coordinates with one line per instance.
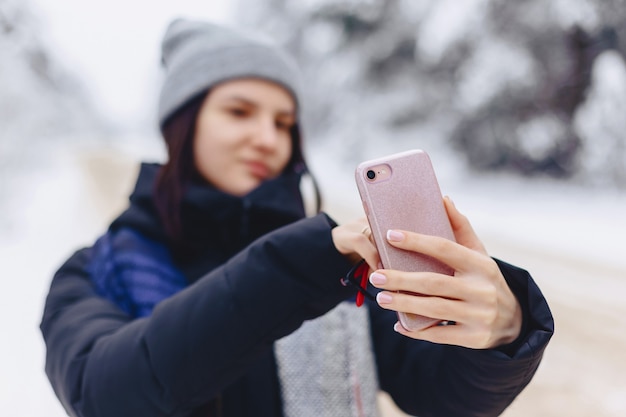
(371, 174)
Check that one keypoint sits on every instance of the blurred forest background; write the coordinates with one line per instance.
(533, 91)
(533, 87)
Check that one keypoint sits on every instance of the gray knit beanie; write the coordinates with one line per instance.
(198, 55)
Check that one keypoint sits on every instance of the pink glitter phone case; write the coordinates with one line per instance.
(400, 191)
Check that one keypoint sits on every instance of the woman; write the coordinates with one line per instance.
(213, 295)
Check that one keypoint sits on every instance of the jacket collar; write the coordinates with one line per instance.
(212, 218)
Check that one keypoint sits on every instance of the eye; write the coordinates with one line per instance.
(238, 112)
(284, 125)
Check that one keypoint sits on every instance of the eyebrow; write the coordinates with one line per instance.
(253, 103)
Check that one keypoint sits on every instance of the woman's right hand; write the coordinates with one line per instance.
(353, 240)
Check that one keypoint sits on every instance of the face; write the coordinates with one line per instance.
(243, 134)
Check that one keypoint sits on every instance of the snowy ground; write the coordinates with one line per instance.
(567, 236)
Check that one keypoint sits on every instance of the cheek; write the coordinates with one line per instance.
(205, 151)
(284, 153)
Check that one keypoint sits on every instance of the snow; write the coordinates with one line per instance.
(496, 65)
(601, 120)
(575, 12)
(448, 21)
(59, 201)
(29, 252)
(114, 47)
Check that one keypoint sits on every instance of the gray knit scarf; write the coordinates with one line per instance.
(326, 367)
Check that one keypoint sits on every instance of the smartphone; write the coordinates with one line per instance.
(401, 191)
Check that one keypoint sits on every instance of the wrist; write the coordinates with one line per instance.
(513, 331)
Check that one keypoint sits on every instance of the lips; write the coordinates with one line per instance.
(258, 169)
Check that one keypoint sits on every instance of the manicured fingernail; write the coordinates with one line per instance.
(378, 279)
(394, 236)
(383, 298)
(450, 200)
(397, 327)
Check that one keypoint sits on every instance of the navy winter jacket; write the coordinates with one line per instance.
(254, 270)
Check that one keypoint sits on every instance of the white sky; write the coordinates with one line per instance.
(113, 46)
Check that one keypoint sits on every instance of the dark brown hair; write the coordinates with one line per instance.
(180, 170)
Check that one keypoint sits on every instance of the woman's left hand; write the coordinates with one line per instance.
(477, 298)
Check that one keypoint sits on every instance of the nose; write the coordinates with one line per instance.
(266, 134)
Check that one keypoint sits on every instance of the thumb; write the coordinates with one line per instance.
(463, 230)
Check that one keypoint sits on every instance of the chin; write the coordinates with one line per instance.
(243, 190)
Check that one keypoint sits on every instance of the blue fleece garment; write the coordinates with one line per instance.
(133, 272)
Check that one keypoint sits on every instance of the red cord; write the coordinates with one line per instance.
(362, 272)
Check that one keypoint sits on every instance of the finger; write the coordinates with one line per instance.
(478, 292)
(450, 253)
(368, 251)
(425, 283)
(457, 334)
(355, 245)
(435, 307)
(365, 249)
(462, 228)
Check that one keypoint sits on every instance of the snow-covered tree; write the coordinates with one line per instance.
(38, 95)
(601, 122)
(40, 103)
(500, 81)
